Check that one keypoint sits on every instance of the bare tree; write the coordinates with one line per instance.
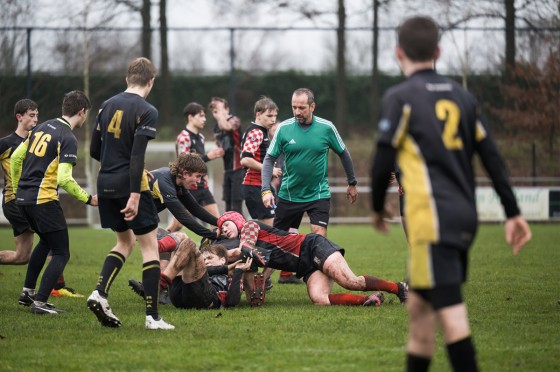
(166, 96)
(12, 42)
(144, 8)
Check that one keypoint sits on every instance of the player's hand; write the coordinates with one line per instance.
(131, 209)
(517, 233)
(268, 200)
(379, 222)
(93, 202)
(216, 153)
(149, 175)
(352, 193)
(233, 265)
(276, 172)
(244, 265)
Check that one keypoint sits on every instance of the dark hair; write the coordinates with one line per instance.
(73, 102)
(215, 100)
(264, 104)
(192, 109)
(189, 162)
(140, 72)
(23, 105)
(308, 92)
(217, 249)
(418, 37)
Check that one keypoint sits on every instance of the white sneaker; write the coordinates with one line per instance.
(151, 323)
(100, 307)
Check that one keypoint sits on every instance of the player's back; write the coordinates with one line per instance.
(50, 143)
(437, 137)
(119, 120)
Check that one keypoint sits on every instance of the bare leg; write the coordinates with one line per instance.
(24, 246)
(319, 286)
(337, 268)
(186, 260)
(421, 327)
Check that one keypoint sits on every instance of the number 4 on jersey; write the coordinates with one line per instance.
(115, 124)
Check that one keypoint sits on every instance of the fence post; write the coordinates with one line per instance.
(534, 164)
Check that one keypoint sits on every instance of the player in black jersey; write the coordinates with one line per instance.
(432, 127)
(39, 165)
(124, 125)
(27, 114)
(192, 140)
(228, 137)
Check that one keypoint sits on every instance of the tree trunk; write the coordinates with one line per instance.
(146, 29)
(510, 33)
(341, 106)
(374, 109)
(166, 96)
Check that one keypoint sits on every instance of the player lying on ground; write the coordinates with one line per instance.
(311, 256)
(200, 279)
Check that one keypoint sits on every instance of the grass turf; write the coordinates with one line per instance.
(513, 307)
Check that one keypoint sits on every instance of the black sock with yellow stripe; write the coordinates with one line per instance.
(111, 267)
(150, 278)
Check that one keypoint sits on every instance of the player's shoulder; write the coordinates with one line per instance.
(286, 125)
(324, 122)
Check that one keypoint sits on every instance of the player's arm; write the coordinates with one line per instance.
(95, 145)
(348, 165)
(190, 203)
(380, 175)
(266, 177)
(186, 219)
(16, 162)
(517, 231)
(233, 297)
(65, 180)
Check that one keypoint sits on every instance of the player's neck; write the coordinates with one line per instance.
(136, 89)
(192, 128)
(409, 68)
(20, 131)
(72, 120)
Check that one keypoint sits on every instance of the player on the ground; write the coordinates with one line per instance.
(312, 256)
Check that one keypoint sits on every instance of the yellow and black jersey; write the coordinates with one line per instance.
(433, 127)
(7, 146)
(48, 144)
(120, 119)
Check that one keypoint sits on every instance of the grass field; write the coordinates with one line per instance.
(513, 307)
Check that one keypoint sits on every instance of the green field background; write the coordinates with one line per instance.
(513, 306)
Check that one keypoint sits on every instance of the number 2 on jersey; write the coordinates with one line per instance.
(449, 112)
(115, 124)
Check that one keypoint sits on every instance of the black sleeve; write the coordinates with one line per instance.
(496, 170)
(186, 219)
(188, 200)
(217, 270)
(205, 158)
(234, 291)
(137, 162)
(346, 160)
(266, 172)
(383, 165)
(95, 145)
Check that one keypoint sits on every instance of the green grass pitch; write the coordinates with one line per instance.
(513, 308)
